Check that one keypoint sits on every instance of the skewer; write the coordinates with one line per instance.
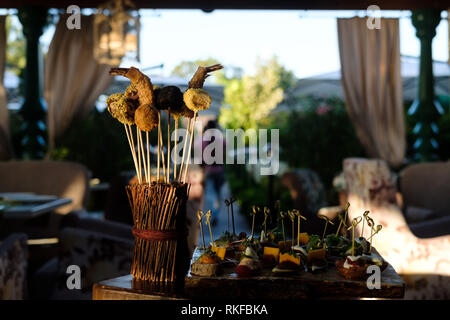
(175, 149)
(168, 146)
(186, 136)
(139, 162)
(148, 158)
(190, 147)
(159, 146)
(162, 155)
(144, 161)
(133, 154)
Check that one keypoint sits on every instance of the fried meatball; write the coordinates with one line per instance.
(169, 97)
(120, 108)
(146, 117)
(197, 99)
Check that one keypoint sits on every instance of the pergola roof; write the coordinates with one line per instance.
(244, 4)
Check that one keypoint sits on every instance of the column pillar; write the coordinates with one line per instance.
(425, 110)
(34, 108)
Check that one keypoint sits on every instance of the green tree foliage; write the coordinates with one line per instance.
(15, 55)
(249, 100)
(185, 69)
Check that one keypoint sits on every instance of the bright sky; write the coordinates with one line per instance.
(305, 42)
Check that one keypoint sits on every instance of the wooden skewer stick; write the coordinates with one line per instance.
(232, 214)
(299, 218)
(291, 215)
(282, 216)
(200, 218)
(208, 222)
(227, 203)
(186, 137)
(139, 158)
(326, 224)
(266, 217)
(365, 214)
(190, 147)
(148, 158)
(355, 222)
(159, 147)
(144, 161)
(133, 154)
(175, 150)
(343, 220)
(168, 146)
(255, 210)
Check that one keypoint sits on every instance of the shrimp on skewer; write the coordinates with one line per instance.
(197, 99)
(140, 81)
(201, 74)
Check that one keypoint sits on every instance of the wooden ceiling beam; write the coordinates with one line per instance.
(245, 4)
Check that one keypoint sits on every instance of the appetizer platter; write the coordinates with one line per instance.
(285, 262)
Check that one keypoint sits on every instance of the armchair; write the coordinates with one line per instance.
(423, 263)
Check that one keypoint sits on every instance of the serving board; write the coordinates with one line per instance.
(327, 284)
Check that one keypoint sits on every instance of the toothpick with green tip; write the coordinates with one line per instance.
(355, 222)
(208, 222)
(327, 221)
(200, 218)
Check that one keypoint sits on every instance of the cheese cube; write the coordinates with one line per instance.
(220, 251)
(289, 257)
(269, 251)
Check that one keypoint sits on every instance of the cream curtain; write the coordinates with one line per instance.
(372, 84)
(73, 78)
(6, 152)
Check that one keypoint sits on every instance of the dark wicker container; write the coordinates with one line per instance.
(161, 254)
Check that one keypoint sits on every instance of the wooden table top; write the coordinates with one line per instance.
(126, 288)
(323, 285)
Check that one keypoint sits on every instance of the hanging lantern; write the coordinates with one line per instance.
(116, 32)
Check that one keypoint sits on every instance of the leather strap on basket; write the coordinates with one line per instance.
(157, 235)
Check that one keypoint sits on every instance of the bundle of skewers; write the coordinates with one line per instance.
(158, 201)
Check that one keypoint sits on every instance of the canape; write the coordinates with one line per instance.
(207, 265)
(249, 265)
(290, 262)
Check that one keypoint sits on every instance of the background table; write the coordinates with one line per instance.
(31, 205)
(304, 285)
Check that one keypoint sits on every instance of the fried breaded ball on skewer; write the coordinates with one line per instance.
(169, 98)
(197, 99)
(120, 108)
(146, 117)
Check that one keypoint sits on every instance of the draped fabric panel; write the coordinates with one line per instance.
(73, 79)
(372, 84)
(6, 151)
